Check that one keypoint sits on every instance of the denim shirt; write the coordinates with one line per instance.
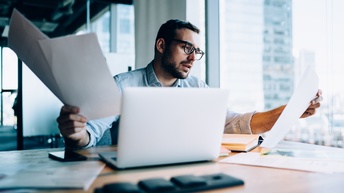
(145, 77)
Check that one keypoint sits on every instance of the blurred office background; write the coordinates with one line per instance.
(258, 49)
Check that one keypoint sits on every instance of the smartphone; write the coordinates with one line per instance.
(66, 156)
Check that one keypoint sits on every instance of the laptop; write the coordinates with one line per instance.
(160, 126)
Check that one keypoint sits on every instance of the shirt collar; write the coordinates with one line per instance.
(153, 80)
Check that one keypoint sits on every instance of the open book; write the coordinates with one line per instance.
(240, 142)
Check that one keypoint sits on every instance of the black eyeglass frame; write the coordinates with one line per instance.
(189, 51)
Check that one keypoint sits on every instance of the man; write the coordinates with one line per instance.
(176, 48)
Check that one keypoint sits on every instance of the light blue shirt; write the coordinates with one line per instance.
(145, 77)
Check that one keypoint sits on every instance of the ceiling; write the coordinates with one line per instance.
(53, 17)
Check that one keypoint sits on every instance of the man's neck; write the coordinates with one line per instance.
(166, 79)
(166, 82)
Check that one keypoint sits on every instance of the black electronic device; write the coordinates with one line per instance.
(66, 155)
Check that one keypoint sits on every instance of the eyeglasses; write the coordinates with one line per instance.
(189, 49)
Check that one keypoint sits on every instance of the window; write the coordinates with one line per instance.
(100, 26)
(9, 85)
(318, 41)
(242, 44)
(116, 35)
(265, 47)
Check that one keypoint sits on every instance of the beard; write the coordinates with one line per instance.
(170, 67)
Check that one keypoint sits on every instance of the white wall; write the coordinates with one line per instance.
(149, 16)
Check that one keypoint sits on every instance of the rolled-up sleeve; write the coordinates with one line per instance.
(96, 129)
(237, 123)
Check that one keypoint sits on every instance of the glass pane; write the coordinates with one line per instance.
(125, 30)
(8, 113)
(195, 13)
(101, 26)
(267, 45)
(10, 69)
(241, 33)
(318, 41)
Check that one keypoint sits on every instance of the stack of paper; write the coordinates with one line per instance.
(240, 142)
(72, 67)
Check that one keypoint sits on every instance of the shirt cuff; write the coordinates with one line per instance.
(239, 123)
(245, 123)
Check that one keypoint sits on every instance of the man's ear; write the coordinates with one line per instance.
(160, 45)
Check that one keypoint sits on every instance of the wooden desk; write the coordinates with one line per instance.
(257, 179)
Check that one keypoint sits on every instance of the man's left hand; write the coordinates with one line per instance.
(314, 104)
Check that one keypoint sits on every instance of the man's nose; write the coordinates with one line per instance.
(192, 56)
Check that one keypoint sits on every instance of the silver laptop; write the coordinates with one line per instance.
(161, 126)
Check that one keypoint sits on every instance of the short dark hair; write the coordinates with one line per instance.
(168, 30)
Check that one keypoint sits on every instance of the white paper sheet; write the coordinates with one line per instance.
(311, 165)
(298, 103)
(72, 67)
(25, 45)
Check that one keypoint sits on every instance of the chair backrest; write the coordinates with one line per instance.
(110, 136)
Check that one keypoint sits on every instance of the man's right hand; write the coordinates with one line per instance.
(73, 127)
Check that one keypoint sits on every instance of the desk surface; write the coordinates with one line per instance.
(257, 179)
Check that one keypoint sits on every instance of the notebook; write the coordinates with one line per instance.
(161, 126)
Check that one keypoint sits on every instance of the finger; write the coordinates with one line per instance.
(314, 106)
(317, 100)
(71, 118)
(310, 111)
(306, 114)
(74, 133)
(70, 129)
(69, 109)
(71, 124)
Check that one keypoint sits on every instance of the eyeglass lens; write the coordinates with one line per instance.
(189, 49)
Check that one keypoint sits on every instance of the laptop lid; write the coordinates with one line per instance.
(170, 125)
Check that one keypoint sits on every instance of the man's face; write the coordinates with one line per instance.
(174, 59)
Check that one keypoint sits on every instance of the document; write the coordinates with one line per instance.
(294, 156)
(292, 163)
(298, 103)
(72, 67)
(34, 170)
